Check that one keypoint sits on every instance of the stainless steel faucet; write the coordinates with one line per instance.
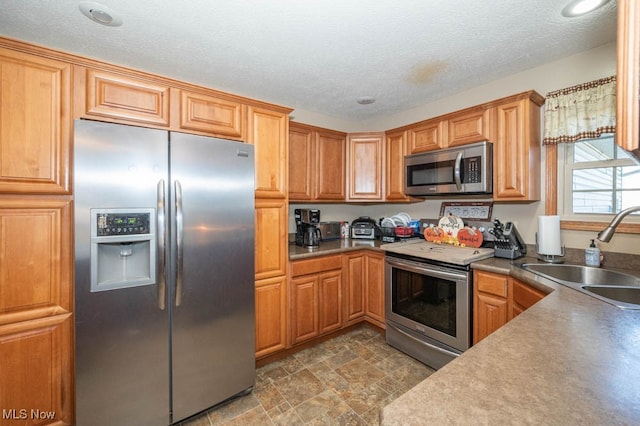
(606, 234)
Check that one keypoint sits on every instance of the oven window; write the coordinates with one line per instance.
(431, 173)
(427, 300)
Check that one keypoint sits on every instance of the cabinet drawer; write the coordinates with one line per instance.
(311, 266)
(491, 283)
(525, 296)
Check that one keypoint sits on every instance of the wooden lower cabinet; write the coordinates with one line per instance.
(316, 297)
(364, 288)
(497, 299)
(271, 316)
(374, 289)
(36, 322)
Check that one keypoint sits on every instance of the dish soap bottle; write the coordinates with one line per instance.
(592, 255)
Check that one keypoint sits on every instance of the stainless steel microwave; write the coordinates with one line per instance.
(467, 169)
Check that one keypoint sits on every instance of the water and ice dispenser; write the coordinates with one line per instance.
(123, 248)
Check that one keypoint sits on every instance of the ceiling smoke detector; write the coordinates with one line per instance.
(582, 7)
(100, 13)
(365, 100)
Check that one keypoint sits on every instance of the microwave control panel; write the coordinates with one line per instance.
(472, 170)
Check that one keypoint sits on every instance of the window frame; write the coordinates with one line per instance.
(551, 201)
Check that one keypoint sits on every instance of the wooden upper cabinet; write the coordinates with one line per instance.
(330, 165)
(35, 123)
(268, 132)
(271, 227)
(365, 166)
(427, 136)
(516, 151)
(628, 77)
(317, 163)
(121, 98)
(471, 126)
(211, 114)
(395, 150)
(300, 163)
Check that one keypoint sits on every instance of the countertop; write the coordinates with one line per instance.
(332, 247)
(569, 359)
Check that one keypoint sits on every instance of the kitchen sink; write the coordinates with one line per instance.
(626, 295)
(585, 275)
(617, 288)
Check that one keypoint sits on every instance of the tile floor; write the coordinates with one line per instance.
(342, 381)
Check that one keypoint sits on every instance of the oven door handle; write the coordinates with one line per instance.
(428, 345)
(425, 270)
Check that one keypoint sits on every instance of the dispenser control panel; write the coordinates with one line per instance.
(111, 224)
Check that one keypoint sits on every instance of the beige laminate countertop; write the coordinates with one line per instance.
(569, 359)
(332, 247)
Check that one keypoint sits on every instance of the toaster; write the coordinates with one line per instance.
(365, 228)
(329, 230)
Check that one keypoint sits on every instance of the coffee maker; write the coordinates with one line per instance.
(307, 230)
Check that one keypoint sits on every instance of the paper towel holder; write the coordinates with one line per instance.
(550, 258)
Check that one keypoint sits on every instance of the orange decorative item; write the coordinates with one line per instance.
(470, 237)
(433, 234)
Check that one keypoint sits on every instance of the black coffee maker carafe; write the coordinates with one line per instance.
(307, 231)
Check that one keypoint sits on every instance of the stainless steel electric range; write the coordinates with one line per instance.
(428, 298)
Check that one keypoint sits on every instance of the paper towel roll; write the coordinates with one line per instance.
(549, 235)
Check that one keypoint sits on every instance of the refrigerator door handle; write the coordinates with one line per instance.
(179, 242)
(161, 247)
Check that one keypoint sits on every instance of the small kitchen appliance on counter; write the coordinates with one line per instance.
(366, 228)
(307, 229)
(330, 230)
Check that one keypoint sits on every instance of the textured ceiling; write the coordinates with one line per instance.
(321, 56)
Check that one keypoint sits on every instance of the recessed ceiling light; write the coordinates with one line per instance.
(581, 7)
(100, 13)
(365, 100)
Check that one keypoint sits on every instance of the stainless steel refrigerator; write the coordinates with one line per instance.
(164, 273)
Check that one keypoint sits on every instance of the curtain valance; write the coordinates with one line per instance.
(585, 111)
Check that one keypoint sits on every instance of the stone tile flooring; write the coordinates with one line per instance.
(343, 381)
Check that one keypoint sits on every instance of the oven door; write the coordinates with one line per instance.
(429, 300)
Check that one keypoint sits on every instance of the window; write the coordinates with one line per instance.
(599, 179)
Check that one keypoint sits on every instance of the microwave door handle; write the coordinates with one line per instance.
(456, 171)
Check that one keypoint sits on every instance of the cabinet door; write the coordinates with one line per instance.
(516, 165)
(270, 238)
(300, 163)
(330, 301)
(212, 115)
(490, 315)
(122, 99)
(271, 316)
(304, 308)
(395, 150)
(374, 289)
(471, 126)
(428, 136)
(354, 265)
(521, 297)
(628, 77)
(268, 131)
(365, 166)
(330, 151)
(36, 325)
(35, 123)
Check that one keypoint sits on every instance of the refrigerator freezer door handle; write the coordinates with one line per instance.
(179, 242)
(161, 238)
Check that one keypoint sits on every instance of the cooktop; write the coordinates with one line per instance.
(439, 252)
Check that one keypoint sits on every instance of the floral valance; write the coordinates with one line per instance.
(585, 111)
